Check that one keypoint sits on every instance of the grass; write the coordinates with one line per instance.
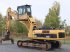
(16, 39)
(65, 41)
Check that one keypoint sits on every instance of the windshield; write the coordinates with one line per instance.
(20, 10)
(28, 9)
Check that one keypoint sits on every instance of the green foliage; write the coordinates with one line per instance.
(53, 19)
(67, 30)
(18, 27)
(2, 23)
(38, 23)
(15, 26)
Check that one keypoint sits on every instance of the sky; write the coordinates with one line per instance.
(40, 8)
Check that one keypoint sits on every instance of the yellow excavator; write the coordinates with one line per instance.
(38, 38)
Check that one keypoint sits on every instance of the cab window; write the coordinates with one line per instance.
(20, 11)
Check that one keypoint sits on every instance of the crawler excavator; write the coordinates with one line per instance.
(38, 38)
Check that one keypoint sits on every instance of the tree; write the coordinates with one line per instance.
(15, 26)
(38, 23)
(52, 20)
(0, 16)
(2, 24)
(67, 30)
(18, 27)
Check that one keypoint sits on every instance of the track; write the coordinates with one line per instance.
(8, 47)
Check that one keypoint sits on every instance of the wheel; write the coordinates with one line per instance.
(48, 46)
(19, 43)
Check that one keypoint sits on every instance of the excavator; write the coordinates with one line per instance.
(38, 38)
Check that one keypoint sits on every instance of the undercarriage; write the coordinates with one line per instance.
(46, 45)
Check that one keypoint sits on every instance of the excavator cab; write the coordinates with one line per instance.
(24, 9)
